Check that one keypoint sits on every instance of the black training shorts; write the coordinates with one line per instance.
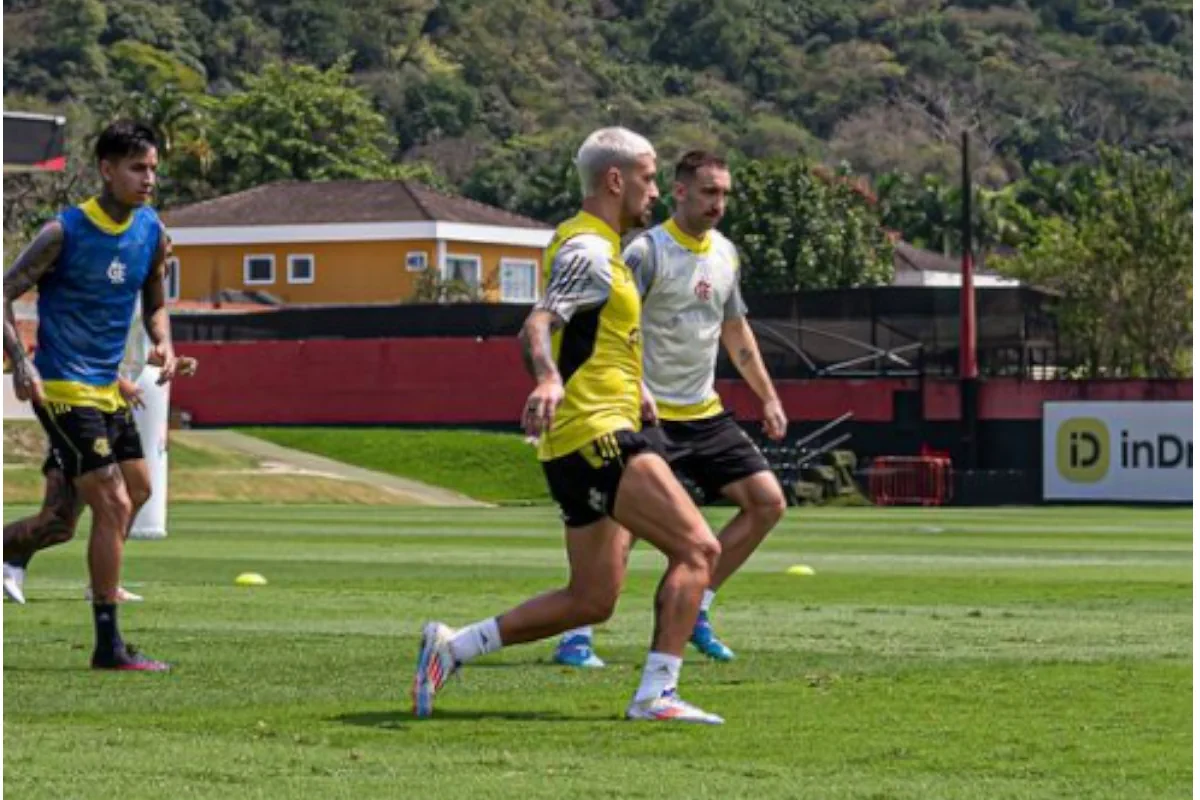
(584, 483)
(712, 452)
(84, 439)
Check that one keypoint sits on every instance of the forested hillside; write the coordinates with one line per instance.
(844, 118)
(469, 86)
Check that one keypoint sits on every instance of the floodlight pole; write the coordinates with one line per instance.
(968, 366)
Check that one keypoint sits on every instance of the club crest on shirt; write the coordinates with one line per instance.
(116, 271)
(703, 289)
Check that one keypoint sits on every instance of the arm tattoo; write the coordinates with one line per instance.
(536, 348)
(35, 261)
(739, 340)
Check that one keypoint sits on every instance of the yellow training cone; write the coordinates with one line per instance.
(250, 579)
(801, 569)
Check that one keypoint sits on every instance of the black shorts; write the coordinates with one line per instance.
(584, 483)
(712, 453)
(83, 439)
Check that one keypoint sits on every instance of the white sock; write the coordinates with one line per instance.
(586, 630)
(661, 673)
(707, 600)
(476, 640)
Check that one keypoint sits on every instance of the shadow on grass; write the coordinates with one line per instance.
(403, 719)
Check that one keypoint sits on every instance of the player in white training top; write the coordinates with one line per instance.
(687, 273)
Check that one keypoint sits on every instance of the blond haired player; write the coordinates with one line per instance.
(687, 274)
(583, 345)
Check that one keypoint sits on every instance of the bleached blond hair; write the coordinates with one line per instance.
(606, 148)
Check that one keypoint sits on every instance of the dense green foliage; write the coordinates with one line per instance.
(491, 99)
(465, 85)
(885, 85)
(1119, 249)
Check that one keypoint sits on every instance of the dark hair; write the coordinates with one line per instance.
(695, 160)
(124, 138)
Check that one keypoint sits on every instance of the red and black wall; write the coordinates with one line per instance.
(468, 382)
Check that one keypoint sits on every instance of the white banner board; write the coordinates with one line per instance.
(1134, 451)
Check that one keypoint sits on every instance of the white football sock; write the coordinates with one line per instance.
(586, 630)
(476, 640)
(661, 673)
(707, 600)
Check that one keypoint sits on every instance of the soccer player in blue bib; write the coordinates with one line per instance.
(89, 266)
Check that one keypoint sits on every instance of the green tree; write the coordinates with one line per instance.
(155, 24)
(317, 31)
(154, 87)
(61, 55)
(534, 176)
(797, 229)
(1121, 260)
(928, 213)
(295, 122)
(431, 107)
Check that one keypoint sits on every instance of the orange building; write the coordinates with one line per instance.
(341, 242)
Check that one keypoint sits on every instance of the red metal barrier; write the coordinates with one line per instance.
(910, 480)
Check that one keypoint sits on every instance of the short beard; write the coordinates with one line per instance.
(700, 223)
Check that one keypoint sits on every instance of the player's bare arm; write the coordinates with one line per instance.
(154, 314)
(742, 346)
(34, 261)
(539, 360)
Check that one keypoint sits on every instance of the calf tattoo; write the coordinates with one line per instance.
(53, 524)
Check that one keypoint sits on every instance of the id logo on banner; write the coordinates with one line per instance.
(1082, 453)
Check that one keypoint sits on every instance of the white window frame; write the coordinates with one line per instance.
(519, 262)
(172, 271)
(246, 259)
(466, 257)
(408, 262)
(312, 260)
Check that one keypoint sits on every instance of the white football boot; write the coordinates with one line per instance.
(14, 583)
(670, 707)
(435, 664)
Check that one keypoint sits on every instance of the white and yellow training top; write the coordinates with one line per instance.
(689, 287)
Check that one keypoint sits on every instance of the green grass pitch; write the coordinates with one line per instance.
(955, 653)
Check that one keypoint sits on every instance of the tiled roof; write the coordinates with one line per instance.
(345, 202)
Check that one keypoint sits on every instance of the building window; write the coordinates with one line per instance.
(258, 270)
(302, 269)
(171, 279)
(416, 261)
(518, 281)
(465, 269)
